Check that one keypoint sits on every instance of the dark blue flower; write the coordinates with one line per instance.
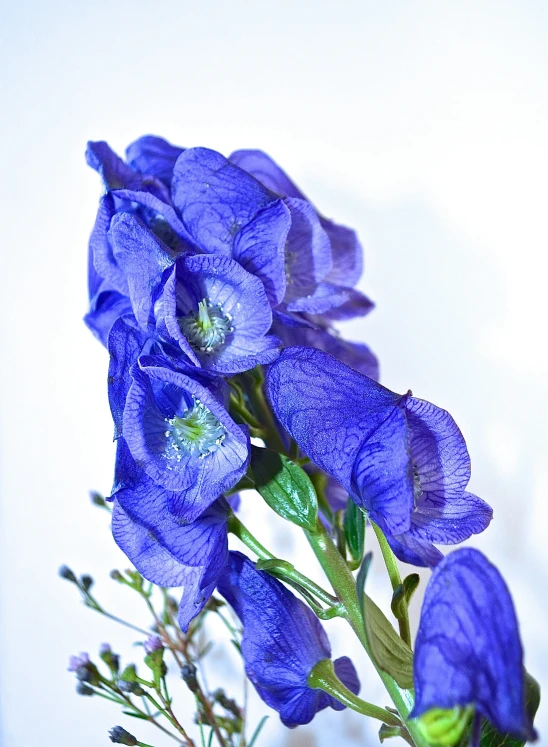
(217, 313)
(401, 459)
(468, 650)
(179, 432)
(282, 641)
(164, 548)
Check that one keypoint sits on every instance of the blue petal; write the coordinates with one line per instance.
(105, 309)
(153, 156)
(353, 304)
(451, 521)
(468, 650)
(346, 672)
(414, 550)
(240, 296)
(113, 170)
(260, 247)
(265, 170)
(347, 254)
(158, 393)
(125, 342)
(143, 258)
(100, 248)
(334, 413)
(215, 198)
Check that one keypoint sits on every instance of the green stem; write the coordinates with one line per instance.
(236, 527)
(263, 412)
(323, 677)
(343, 584)
(395, 579)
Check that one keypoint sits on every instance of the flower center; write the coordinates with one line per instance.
(196, 432)
(207, 330)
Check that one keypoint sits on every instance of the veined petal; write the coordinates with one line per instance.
(266, 171)
(153, 156)
(468, 650)
(451, 521)
(215, 198)
(347, 254)
(308, 252)
(114, 172)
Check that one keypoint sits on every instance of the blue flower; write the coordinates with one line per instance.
(468, 650)
(153, 156)
(217, 313)
(164, 548)
(401, 459)
(282, 641)
(226, 211)
(325, 259)
(179, 432)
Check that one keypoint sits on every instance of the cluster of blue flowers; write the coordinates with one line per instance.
(203, 268)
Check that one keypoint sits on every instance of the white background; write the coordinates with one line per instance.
(422, 124)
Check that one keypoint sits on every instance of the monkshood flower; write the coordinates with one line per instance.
(323, 286)
(282, 642)
(401, 459)
(162, 547)
(179, 432)
(468, 651)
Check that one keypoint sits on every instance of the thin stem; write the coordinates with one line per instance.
(97, 608)
(236, 527)
(323, 677)
(263, 412)
(395, 579)
(344, 586)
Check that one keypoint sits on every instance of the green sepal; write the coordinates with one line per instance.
(362, 576)
(490, 737)
(354, 530)
(386, 732)
(285, 487)
(273, 565)
(403, 593)
(390, 653)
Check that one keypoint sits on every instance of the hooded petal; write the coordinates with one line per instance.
(266, 171)
(125, 342)
(143, 259)
(153, 156)
(260, 247)
(468, 650)
(339, 419)
(347, 254)
(114, 172)
(107, 306)
(215, 198)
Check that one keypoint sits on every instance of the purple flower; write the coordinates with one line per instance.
(165, 549)
(181, 435)
(217, 313)
(401, 459)
(468, 649)
(153, 643)
(81, 661)
(282, 641)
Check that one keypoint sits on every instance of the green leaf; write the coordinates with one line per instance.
(390, 653)
(354, 530)
(386, 731)
(273, 565)
(136, 715)
(403, 593)
(285, 487)
(492, 738)
(362, 575)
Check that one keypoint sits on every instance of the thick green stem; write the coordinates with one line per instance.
(395, 579)
(343, 584)
(236, 527)
(323, 677)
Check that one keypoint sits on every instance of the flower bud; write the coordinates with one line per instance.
(87, 581)
(188, 674)
(444, 727)
(97, 499)
(83, 689)
(116, 575)
(111, 660)
(119, 735)
(66, 573)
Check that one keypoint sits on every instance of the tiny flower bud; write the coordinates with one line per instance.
(97, 499)
(154, 643)
(129, 674)
(444, 727)
(111, 660)
(86, 581)
(119, 735)
(83, 689)
(116, 575)
(75, 662)
(134, 688)
(66, 573)
(188, 674)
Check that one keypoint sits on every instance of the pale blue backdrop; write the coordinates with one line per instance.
(422, 124)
